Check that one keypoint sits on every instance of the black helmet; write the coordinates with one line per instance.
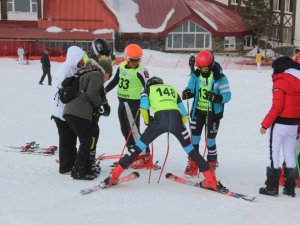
(100, 46)
(154, 80)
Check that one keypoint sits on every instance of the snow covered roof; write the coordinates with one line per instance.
(80, 14)
(157, 16)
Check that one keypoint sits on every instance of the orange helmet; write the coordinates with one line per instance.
(133, 51)
(296, 58)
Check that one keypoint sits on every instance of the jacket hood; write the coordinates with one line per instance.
(291, 77)
(74, 55)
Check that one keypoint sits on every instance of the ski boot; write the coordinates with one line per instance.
(95, 168)
(28, 147)
(191, 169)
(210, 181)
(142, 162)
(51, 150)
(114, 175)
(213, 165)
(272, 182)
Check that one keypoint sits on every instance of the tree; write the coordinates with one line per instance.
(258, 13)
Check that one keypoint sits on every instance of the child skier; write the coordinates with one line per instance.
(210, 89)
(169, 116)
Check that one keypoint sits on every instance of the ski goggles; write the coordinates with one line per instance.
(204, 69)
(134, 59)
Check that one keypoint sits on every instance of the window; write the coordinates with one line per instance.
(287, 35)
(189, 36)
(288, 6)
(33, 6)
(229, 43)
(247, 41)
(21, 5)
(233, 2)
(277, 5)
(10, 5)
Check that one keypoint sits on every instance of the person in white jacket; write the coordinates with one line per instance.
(21, 55)
(67, 138)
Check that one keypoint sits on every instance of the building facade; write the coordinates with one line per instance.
(171, 25)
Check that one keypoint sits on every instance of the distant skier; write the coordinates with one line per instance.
(169, 116)
(283, 120)
(21, 55)
(210, 89)
(46, 66)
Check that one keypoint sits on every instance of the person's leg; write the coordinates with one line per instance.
(49, 76)
(43, 76)
(212, 156)
(83, 129)
(290, 171)
(273, 171)
(67, 146)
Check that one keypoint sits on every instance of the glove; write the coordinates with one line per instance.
(213, 97)
(185, 119)
(187, 94)
(105, 109)
(192, 62)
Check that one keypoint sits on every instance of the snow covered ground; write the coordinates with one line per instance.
(32, 192)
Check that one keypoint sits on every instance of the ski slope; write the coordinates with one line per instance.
(32, 192)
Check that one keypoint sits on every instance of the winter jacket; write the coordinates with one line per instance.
(219, 85)
(20, 51)
(286, 99)
(91, 87)
(45, 61)
(67, 69)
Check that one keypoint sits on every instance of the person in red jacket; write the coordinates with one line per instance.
(283, 120)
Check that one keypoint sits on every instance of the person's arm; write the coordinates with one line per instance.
(113, 83)
(145, 106)
(143, 76)
(276, 108)
(182, 109)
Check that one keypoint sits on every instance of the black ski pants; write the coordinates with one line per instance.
(83, 130)
(67, 145)
(46, 71)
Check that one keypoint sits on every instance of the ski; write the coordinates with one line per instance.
(104, 157)
(101, 186)
(222, 190)
(33, 148)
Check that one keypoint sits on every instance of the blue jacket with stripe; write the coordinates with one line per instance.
(219, 85)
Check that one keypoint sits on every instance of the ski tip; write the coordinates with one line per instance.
(136, 174)
(168, 175)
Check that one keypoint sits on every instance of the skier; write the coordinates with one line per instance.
(67, 138)
(210, 89)
(46, 68)
(100, 50)
(78, 113)
(169, 116)
(283, 120)
(21, 55)
(131, 78)
(258, 59)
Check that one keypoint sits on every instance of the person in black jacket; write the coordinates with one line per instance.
(46, 68)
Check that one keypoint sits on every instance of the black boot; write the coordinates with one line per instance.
(272, 182)
(290, 181)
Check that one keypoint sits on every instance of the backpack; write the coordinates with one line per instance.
(70, 86)
(69, 89)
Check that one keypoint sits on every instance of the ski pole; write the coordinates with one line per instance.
(150, 171)
(129, 134)
(297, 162)
(206, 131)
(168, 148)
